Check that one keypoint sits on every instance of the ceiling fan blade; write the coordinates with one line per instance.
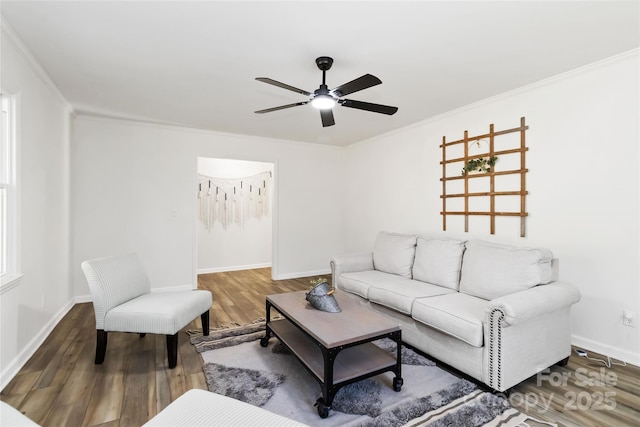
(360, 105)
(282, 107)
(327, 118)
(360, 83)
(282, 85)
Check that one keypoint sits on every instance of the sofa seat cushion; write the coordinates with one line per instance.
(438, 261)
(393, 253)
(358, 283)
(399, 295)
(492, 270)
(457, 314)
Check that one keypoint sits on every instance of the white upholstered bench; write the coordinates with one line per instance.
(203, 408)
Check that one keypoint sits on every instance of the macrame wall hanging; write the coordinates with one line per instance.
(233, 201)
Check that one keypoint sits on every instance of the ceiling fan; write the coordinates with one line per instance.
(325, 99)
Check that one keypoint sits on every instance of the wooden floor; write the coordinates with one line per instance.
(61, 386)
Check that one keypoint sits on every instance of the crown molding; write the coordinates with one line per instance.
(630, 54)
(12, 36)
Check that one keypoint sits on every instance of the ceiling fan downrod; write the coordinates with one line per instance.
(324, 63)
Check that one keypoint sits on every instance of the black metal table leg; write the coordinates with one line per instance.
(398, 381)
(328, 389)
(264, 341)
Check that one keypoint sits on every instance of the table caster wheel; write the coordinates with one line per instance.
(397, 384)
(323, 410)
(264, 341)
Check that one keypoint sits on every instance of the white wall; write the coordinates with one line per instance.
(583, 185)
(134, 187)
(238, 246)
(31, 309)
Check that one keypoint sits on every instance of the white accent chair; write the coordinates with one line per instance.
(123, 302)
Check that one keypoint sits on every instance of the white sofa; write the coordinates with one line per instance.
(494, 312)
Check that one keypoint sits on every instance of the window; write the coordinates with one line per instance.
(8, 193)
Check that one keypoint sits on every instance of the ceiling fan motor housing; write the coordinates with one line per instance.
(322, 90)
(324, 63)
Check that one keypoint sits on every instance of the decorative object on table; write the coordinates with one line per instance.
(321, 296)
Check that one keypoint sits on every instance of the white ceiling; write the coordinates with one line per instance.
(194, 63)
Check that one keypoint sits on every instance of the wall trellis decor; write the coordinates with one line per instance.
(233, 201)
(480, 169)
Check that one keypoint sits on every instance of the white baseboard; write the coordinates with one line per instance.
(303, 274)
(265, 265)
(32, 346)
(82, 299)
(607, 350)
(233, 268)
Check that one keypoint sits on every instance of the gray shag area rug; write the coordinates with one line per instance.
(272, 378)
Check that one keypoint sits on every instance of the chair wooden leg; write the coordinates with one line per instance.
(101, 346)
(205, 322)
(172, 350)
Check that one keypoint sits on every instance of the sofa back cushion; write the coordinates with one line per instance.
(394, 252)
(491, 270)
(438, 261)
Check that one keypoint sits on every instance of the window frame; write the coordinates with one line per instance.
(9, 240)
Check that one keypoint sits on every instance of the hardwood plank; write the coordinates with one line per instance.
(20, 385)
(191, 361)
(197, 381)
(135, 407)
(66, 415)
(115, 423)
(61, 365)
(105, 404)
(177, 383)
(79, 385)
(39, 402)
(163, 389)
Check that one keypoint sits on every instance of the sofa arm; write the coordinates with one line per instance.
(533, 302)
(527, 331)
(350, 263)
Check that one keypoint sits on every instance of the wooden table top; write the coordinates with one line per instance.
(353, 323)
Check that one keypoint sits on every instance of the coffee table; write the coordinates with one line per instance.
(336, 348)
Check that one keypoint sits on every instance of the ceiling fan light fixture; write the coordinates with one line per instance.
(323, 102)
(324, 99)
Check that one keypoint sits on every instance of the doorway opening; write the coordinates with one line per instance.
(235, 215)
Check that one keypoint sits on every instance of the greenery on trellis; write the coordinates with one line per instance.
(480, 164)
